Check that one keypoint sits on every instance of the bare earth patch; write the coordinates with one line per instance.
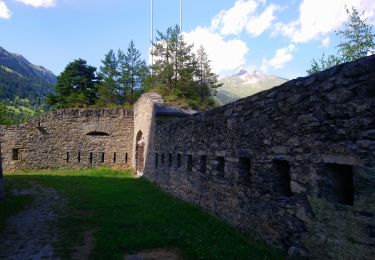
(33, 233)
(155, 254)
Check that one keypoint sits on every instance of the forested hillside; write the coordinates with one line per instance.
(20, 78)
(23, 88)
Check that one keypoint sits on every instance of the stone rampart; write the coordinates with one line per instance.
(70, 138)
(294, 165)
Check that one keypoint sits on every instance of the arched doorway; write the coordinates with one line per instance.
(139, 153)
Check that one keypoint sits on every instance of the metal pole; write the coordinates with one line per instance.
(152, 35)
(181, 16)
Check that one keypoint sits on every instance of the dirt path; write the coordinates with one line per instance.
(33, 232)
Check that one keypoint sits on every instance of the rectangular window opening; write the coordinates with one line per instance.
(170, 160)
(126, 158)
(156, 160)
(178, 160)
(220, 166)
(114, 157)
(244, 170)
(15, 154)
(283, 177)
(102, 157)
(67, 157)
(342, 183)
(91, 157)
(79, 157)
(189, 165)
(203, 164)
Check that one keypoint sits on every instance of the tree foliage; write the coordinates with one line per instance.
(76, 86)
(4, 115)
(206, 79)
(133, 73)
(180, 74)
(109, 86)
(357, 42)
(20, 78)
(123, 76)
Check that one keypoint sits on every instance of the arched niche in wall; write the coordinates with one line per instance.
(97, 133)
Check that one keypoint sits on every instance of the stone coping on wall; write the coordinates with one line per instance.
(76, 112)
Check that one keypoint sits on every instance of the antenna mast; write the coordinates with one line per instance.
(152, 35)
(181, 16)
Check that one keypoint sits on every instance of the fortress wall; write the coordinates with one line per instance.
(293, 166)
(144, 127)
(57, 140)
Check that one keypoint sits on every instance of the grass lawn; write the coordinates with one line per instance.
(130, 215)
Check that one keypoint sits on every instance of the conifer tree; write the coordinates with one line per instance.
(164, 48)
(206, 79)
(359, 39)
(357, 42)
(179, 72)
(109, 85)
(133, 72)
(77, 86)
(174, 60)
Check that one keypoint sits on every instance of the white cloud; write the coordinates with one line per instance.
(225, 55)
(243, 15)
(325, 42)
(282, 56)
(319, 17)
(234, 20)
(4, 11)
(258, 24)
(38, 3)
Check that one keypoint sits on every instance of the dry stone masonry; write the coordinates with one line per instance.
(72, 138)
(293, 166)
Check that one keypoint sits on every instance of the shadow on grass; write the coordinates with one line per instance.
(132, 214)
(11, 205)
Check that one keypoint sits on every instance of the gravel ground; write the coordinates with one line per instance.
(33, 233)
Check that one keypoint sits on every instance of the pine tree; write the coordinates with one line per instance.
(77, 86)
(133, 72)
(163, 67)
(206, 79)
(180, 74)
(109, 74)
(174, 60)
(357, 42)
(185, 65)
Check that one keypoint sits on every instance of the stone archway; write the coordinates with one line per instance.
(139, 154)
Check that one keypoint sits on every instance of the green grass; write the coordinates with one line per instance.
(11, 205)
(131, 214)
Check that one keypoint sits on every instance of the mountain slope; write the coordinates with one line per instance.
(245, 83)
(19, 77)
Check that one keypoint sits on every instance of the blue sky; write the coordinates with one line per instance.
(274, 36)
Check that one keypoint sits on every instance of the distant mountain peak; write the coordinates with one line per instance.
(243, 83)
(239, 73)
(247, 76)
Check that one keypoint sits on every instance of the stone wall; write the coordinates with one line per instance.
(1, 176)
(72, 138)
(294, 165)
(144, 124)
